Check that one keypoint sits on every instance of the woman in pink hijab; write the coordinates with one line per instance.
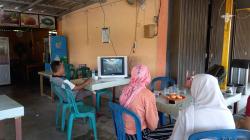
(141, 101)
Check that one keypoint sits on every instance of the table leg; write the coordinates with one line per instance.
(98, 114)
(235, 109)
(41, 85)
(18, 123)
(1, 130)
(113, 90)
(162, 119)
(94, 99)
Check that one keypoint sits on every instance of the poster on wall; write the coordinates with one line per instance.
(8, 18)
(29, 20)
(47, 22)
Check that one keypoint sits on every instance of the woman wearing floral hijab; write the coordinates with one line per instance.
(141, 101)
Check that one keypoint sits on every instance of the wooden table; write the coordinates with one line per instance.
(43, 75)
(10, 109)
(173, 109)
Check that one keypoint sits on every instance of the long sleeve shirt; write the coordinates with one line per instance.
(144, 106)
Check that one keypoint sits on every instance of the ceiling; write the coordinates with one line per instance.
(46, 7)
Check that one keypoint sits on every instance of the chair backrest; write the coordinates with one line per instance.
(86, 73)
(117, 114)
(68, 68)
(70, 98)
(164, 82)
(227, 134)
(57, 90)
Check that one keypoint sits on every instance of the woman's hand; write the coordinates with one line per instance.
(188, 82)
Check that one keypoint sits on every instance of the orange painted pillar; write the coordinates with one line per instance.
(162, 39)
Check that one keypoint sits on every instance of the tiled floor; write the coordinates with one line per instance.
(39, 119)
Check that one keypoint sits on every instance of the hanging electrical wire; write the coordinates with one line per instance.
(132, 50)
(104, 25)
(112, 44)
(136, 21)
(158, 17)
(223, 2)
(87, 26)
(234, 33)
(104, 14)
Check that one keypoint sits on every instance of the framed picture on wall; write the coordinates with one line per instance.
(29, 20)
(48, 22)
(8, 18)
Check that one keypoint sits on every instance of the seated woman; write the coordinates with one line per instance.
(245, 122)
(208, 111)
(141, 101)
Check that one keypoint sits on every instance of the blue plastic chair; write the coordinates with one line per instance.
(99, 94)
(117, 114)
(79, 112)
(62, 107)
(164, 82)
(226, 134)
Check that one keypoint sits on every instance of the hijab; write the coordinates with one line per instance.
(208, 111)
(140, 78)
(206, 92)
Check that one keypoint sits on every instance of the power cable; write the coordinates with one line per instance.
(104, 14)
(104, 25)
(132, 50)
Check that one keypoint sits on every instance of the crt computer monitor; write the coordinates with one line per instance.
(112, 66)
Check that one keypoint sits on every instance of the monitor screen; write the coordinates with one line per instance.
(112, 66)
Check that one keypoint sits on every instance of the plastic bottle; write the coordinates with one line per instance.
(93, 74)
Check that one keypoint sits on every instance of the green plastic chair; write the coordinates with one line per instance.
(69, 69)
(99, 94)
(62, 107)
(86, 72)
(79, 112)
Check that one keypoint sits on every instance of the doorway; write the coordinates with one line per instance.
(26, 47)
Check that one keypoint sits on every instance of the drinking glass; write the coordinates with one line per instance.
(165, 91)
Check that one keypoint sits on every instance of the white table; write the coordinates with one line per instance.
(104, 84)
(95, 85)
(173, 109)
(11, 109)
(233, 100)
